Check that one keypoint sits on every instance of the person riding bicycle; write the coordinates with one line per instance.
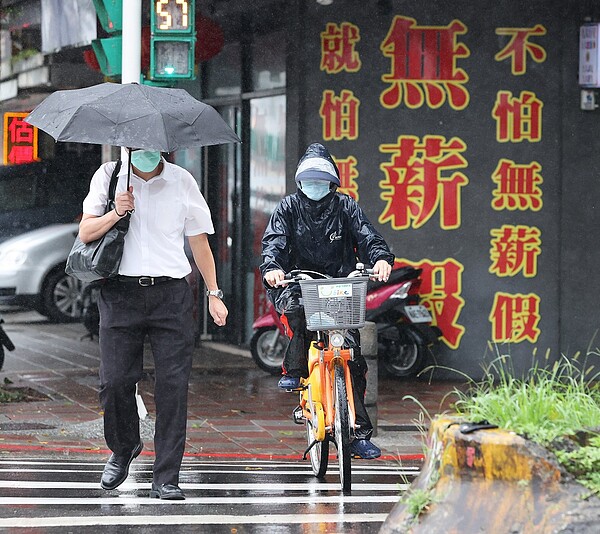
(321, 230)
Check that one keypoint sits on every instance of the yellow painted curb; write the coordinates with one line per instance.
(493, 481)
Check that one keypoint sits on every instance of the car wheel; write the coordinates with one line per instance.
(61, 297)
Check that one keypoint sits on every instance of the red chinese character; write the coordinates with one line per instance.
(338, 48)
(518, 47)
(340, 115)
(20, 140)
(424, 65)
(441, 289)
(515, 249)
(415, 184)
(518, 118)
(20, 131)
(21, 154)
(515, 318)
(517, 186)
(348, 175)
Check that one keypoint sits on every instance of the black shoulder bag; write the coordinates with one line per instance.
(101, 258)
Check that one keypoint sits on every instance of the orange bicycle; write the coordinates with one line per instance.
(331, 306)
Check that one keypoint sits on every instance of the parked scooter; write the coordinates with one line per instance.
(269, 342)
(4, 342)
(404, 329)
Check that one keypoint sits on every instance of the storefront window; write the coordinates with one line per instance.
(268, 63)
(224, 73)
(267, 181)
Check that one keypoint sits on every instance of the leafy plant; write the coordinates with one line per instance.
(549, 405)
(584, 463)
(543, 405)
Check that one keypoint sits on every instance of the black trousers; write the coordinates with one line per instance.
(129, 313)
(295, 362)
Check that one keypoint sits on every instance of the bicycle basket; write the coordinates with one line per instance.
(334, 303)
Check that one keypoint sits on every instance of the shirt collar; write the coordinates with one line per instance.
(167, 177)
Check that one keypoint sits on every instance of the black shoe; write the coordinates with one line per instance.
(289, 383)
(170, 492)
(117, 468)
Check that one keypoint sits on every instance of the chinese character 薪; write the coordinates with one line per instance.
(421, 177)
(515, 249)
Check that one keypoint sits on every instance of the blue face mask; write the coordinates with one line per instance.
(315, 189)
(145, 160)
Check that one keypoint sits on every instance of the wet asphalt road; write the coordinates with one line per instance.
(63, 495)
(231, 482)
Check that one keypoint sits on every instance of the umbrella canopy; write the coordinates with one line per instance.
(131, 115)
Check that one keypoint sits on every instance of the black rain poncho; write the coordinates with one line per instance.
(328, 236)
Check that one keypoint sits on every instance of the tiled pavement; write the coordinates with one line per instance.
(235, 409)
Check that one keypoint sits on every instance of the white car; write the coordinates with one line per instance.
(32, 272)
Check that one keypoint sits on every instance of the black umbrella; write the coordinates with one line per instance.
(131, 115)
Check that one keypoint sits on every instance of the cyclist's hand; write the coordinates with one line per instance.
(218, 311)
(382, 270)
(274, 277)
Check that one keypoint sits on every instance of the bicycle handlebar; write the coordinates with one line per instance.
(300, 274)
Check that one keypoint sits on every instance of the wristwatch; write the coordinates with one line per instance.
(215, 293)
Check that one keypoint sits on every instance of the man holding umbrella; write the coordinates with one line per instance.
(150, 297)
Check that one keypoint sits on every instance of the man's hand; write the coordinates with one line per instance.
(124, 202)
(381, 270)
(273, 277)
(217, 310)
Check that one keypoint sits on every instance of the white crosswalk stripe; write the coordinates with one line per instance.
(248, 495)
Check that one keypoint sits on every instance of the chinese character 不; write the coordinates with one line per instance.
(518, 47)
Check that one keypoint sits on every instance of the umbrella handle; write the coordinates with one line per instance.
(129, 174)
(128, 168)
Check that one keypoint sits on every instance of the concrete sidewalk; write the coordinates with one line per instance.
(235, 409)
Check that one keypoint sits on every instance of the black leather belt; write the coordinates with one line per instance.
(145, 281)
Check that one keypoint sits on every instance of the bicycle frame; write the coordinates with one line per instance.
(332, 306)
(317, 397)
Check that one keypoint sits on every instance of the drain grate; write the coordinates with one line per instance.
(4, 427)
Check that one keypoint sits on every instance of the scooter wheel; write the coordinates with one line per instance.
(268, 346)
(403, 357)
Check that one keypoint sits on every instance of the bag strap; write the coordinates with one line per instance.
(114, 178)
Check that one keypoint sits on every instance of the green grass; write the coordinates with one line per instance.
(10, 396)
(545, 404)
(550, 405)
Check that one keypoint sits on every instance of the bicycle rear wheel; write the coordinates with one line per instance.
(319, 453)
(342, 428)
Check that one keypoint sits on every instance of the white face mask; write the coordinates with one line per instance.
(315, 189)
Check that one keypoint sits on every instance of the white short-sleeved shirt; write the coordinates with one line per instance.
(167, 207)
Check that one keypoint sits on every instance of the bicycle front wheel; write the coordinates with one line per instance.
(319, 452)
(342, 428)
